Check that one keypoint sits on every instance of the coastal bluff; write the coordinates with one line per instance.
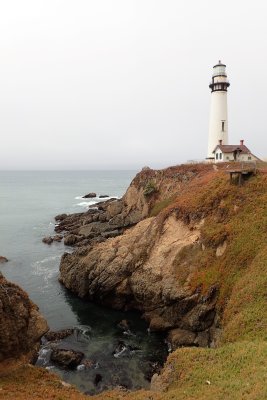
(189, 252)
(21, 324)
(140, 268)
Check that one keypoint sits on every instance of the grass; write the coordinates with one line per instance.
(26, 382)
(161, 205)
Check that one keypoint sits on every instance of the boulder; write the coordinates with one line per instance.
(3, 260)
(47, 240)
(70, 240)
(66, 358)
(103, 196)
(89, 195)
(57, 238)
(60, 217)
(181, 337)
(123, 325)
(52, 336)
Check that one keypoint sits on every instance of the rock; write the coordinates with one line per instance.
(57, 238)
(102, 217)
(22, 326)
(47, 240)
(134, 270)
(146, 168)
(68, 359)
(65, 384)
(95, 217)
(124, 325)
(58, 335)
(120, 349)
(137, 267)
(3, 260)
(103, 196)
(202, 339)
(89, 195)
(153, 368)
(70, 240)
(110, 234)
(88, 364)
(221, 249)
(158, 323)
(181, 337)
(114, 208)
(60, 217)
(98, 378)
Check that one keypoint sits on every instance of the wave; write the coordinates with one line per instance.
(86, 203)
(46, 260)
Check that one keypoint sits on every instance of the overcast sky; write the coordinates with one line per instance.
(96, 84)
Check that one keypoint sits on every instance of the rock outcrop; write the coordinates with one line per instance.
(137, 264)
(66, 358)
(137, 270)
(21, 324)
(133, 255)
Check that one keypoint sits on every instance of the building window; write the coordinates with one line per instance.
(249, 158)
(220, 156)
(216, 156)
(227, 158)
(222, 126)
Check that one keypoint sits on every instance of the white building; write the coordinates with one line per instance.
(232, 152)
(218, 126)
(218, 148)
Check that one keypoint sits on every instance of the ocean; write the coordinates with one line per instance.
(29, 201)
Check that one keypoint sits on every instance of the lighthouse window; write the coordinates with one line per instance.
(223, 126)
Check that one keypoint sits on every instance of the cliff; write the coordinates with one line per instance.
(21, 324)
(188, 250)
(192, 260)
(150, 266)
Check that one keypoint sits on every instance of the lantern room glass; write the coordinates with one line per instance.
(219, 70)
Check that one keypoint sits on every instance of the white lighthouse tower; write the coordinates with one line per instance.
(218, 127)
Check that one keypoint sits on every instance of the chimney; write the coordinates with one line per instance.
(220, 142)
(241, 142)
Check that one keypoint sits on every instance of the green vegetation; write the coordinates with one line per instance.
(236, 371)
(158, 207)
(150, 188)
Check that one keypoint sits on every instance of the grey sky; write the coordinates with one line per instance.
(89, 84)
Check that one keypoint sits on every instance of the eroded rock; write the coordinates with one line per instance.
(68, 359)
(89, 195)
(21, 324)
(181, 337)
(47, 240)
(58, 335)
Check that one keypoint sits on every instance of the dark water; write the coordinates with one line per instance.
(28, 203)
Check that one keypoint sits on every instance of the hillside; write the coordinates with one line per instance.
(190, 253)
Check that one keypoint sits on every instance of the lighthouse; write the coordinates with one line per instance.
(218, 126)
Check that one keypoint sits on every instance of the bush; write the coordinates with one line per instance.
(150, 188)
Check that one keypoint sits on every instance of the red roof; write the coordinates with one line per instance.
(230, 148)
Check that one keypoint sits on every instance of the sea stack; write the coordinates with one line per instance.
(218, 126)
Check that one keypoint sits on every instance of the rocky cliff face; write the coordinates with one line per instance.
(140, 268)
(21, 324)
